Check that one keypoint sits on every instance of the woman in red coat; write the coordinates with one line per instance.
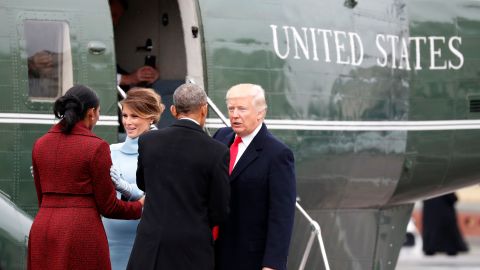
(71, 168)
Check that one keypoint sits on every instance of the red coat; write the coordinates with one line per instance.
(74, 187)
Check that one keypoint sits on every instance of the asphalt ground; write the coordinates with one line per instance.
(412, 258)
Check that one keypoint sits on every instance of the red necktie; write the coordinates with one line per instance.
(233, 153)
(233, 157)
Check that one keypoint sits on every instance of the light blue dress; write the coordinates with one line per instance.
(121, 233)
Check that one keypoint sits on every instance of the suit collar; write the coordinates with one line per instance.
(251, 153)
(191, 119)
(257, 140)
(78, 129)
(249, 138)
(185, 123)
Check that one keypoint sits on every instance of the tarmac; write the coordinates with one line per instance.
(412, 258)
(468, 215)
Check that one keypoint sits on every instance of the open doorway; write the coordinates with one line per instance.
(163, 34)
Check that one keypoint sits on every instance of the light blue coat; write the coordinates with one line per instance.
(124, 159)
(121, 233)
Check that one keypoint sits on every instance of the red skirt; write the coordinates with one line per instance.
(67, 233)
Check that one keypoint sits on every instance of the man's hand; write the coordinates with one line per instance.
(42, 59)
(41, 64)
(267, 268)
(147, 74)
(144, 74)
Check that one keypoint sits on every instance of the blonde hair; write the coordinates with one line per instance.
(248, 89)
(145, 102)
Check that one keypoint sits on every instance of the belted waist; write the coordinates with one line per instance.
(56, 200)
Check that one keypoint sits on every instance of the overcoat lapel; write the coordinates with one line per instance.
(250, 154)
(228, 140)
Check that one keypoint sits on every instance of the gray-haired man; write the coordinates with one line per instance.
(184, 174)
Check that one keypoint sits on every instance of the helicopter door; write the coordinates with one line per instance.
(165, 35)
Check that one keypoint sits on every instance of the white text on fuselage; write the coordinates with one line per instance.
(341, 47)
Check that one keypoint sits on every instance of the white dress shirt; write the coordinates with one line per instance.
(246, 140)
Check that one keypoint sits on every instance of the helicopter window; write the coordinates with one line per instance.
(49, 58)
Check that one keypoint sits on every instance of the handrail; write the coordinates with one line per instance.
(213, 106)
(315, 227)
(218, 112)
(122, 94)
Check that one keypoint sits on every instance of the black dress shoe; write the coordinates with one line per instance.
(429, 253)
(452, 253)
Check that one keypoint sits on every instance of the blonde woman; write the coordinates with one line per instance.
(141, 109)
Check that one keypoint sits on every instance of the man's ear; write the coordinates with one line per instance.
(173, 111)
(261, 114)
(205, 110)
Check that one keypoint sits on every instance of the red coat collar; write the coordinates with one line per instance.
(78, 129)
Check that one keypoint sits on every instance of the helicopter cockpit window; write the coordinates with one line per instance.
(49, 58)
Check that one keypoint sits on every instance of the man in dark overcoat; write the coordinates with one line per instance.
(183, 172)
(262, 205)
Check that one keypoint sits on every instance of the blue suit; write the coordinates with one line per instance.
(262, 205)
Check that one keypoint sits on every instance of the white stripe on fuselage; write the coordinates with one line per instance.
(106, 120)
(48, 119)
(361, 125)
